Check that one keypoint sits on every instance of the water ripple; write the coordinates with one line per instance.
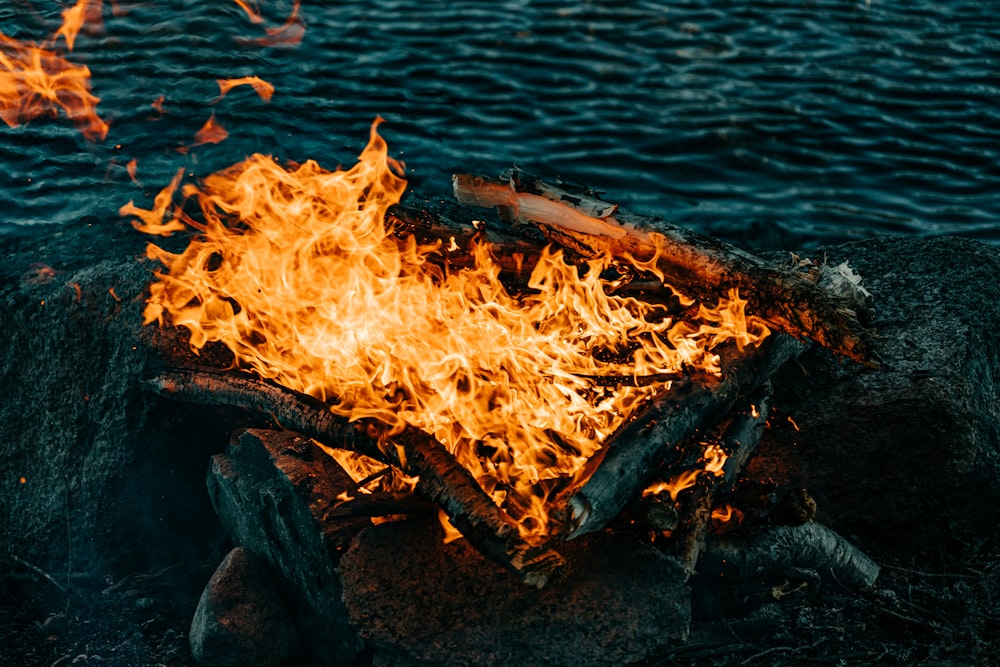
(821, 120)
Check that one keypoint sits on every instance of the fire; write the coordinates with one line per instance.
(252, 12)
(264, 89)
(713, 457)
(83, 12)
(295, 271)
(37, 82)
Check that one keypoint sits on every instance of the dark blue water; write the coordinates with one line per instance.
(803, 121)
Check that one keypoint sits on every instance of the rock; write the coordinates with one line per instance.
(906, 455)
(269, 489)
(241, 619)
(95, 473)
(419, 601)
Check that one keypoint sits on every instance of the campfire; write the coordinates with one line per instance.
(585, 370)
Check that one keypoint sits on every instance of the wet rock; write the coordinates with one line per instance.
(419, 601)
(906, 455)
(240, 619)
(268, 489)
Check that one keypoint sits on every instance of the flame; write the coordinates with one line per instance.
(713, 456)
(252, 12)
(131, 168)
(288, 34)
(296, 272)
(726, 514)
(36, 82)
(84, 11)
(264, 89)
(683, 480)
(212, 132)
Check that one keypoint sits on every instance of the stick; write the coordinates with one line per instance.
(739, 441)
(628, 461)
(441, 478)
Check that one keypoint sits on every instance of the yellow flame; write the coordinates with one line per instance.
(263, 89)
(37, 82)
(295, 271)
(84, 11)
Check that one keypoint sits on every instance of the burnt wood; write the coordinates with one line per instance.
(630, 459)
(702, 267)
(441, 478)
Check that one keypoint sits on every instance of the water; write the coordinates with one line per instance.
(788, 122)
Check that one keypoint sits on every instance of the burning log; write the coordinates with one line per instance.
(441, 478)
(629, 460)
(738, 441)
(701, 266)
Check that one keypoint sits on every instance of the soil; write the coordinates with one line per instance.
(917, 614)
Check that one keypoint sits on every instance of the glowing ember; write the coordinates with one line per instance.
(262, 88)
(36, 82)
(295, 271)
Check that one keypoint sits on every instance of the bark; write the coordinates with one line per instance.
(442, 479)
(628, 462)
(739, 440)
(810, 552)
(702, 267)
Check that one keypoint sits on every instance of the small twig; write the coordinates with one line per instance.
(40, 572)
(781, 649)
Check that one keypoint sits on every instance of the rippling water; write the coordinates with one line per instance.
(796, 121)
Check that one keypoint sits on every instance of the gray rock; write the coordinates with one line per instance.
(419, 601)
(240, 619)
(906, 455)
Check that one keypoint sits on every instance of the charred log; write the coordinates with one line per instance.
(630, 459)
(441, 478)
(702, 267)
(738, 441)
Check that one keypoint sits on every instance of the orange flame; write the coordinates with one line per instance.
(264, 89)
(288, 34)
(295, 271)
(723, 515)
(251, 11)
(212, 132)
(36, 82)
(714, 458)
(84, 11)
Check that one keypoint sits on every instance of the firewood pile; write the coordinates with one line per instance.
(280, 496)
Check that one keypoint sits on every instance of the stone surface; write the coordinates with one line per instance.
(96, 475)
(906, 455)
(269, 489)
(419, 601)
(240, 619)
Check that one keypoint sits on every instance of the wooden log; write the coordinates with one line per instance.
(627, 463)
(809, 552)
(441, 478)
(739, 440)
(700, 266)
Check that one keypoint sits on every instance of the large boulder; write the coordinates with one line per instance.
(906, 455)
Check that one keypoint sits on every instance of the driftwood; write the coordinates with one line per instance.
(809, 552)
(441, 478)
(700, 266)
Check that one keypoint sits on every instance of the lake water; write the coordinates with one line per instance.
(787, 122)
